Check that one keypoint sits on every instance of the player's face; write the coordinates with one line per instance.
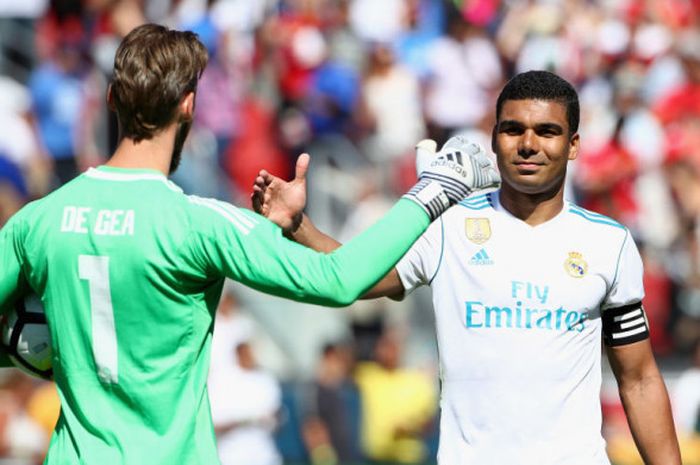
(533, 146)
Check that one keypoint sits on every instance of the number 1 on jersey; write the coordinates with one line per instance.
(95, 270)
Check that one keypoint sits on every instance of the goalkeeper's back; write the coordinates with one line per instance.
(130, 316)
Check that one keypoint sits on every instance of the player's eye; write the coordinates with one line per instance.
(512, 130)
(549, 131)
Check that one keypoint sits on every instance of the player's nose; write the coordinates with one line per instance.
(527, 144)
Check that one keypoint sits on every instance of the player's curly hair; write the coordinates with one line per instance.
(154, 68)
(542, 85)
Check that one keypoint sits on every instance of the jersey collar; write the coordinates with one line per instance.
(497, 206)
(124, 174)
(110, 173)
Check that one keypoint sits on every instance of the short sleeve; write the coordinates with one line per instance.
(420, 264)
(627, 287)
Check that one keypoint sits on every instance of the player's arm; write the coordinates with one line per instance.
(646, 402)
(12, 282)
(283, 202)
(255, 253)
(310, 236)
(641, 387)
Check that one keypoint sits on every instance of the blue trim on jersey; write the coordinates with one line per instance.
(590, 213)
(594, 217)
(479, 202)
(442, 251)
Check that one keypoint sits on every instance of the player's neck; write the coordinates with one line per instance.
(533, 209)
(154, 153)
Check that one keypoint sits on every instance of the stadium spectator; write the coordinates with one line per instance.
(686, 407)
(245, 403)
(59, 90)
(679, 109)
(233, 326)
(464, 69)
(43, 407)
(21, 438)
(336, 406)
(530, 302)
(391, 100)
(684, 254)
(398, 404)
(130, 269)
(18, 138)
(13, 190)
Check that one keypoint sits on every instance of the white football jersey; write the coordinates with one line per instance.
(518, 317)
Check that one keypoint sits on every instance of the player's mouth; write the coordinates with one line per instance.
(527, 166)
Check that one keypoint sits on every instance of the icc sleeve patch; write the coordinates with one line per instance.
(624, 325)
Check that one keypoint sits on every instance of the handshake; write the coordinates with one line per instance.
(450, 175)
(445, 177)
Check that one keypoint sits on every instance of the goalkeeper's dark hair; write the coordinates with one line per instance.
(542, 85)
(154, 68)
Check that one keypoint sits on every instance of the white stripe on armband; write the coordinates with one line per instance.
(633, 323)
(631, 332)
(628, 315)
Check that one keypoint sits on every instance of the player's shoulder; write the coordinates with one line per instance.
(29, 212)
(207, 212)
(594, 227)
(593, 220)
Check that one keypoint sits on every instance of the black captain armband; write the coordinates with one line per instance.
(624, 325)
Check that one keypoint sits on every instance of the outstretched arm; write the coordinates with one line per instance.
(444, 178)
(283, 202)
(646, 402)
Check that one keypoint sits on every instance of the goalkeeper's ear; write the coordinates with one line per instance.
(425, 153)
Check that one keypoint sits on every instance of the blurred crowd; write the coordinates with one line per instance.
(357, 83)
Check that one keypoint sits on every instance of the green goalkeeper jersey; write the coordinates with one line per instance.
(130, 271)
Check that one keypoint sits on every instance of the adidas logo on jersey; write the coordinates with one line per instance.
(481, 258)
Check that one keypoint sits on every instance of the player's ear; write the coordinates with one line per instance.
(574, 146)
(187, 107)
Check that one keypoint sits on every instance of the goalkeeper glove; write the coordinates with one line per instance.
(450, 175)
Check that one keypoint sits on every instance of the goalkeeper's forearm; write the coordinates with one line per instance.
(340, 277)
(369, 257)
(310, 236)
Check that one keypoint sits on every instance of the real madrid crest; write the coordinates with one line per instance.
(478, 230)
(575, 265)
